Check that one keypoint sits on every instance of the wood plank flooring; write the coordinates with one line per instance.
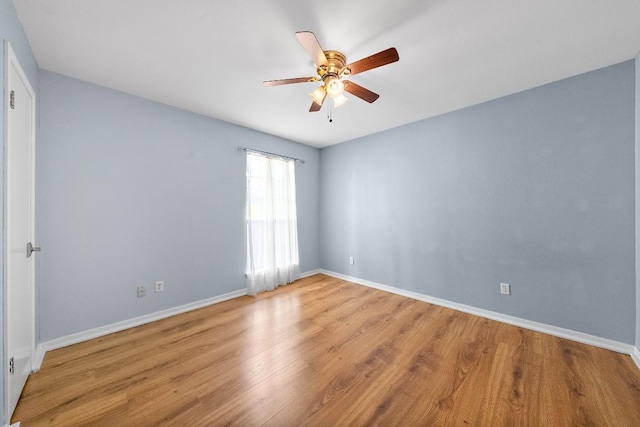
(325, 352)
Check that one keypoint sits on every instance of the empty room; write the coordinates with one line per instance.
(286, 213)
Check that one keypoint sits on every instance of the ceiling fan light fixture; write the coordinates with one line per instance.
(339, 100)
(318, 95)
(331, 68)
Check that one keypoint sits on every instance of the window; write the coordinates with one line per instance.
(272, 227)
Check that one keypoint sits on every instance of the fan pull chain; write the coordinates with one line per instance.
(330, 114)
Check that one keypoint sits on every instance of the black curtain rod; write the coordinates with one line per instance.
(269, 154)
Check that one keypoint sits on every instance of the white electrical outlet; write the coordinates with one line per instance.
(142, 291)
(505, 289)
(351, 260)
(160, 286)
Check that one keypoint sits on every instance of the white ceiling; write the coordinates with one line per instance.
(210, 57)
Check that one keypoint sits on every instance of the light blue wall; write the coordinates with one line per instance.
(534, 189)
(130, 192)
(11, 30)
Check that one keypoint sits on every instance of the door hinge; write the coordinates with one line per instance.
(12, 100)
(12, 366)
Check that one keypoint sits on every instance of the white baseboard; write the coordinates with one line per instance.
(504, 318)
(635, 355)
(310, 273)
(43, 347)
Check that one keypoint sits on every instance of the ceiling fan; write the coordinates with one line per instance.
(331, 71)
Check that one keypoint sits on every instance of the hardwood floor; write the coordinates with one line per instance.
(325, 352)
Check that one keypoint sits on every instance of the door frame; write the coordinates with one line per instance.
(11, 60)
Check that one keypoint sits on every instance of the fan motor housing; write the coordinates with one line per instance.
(336, 62)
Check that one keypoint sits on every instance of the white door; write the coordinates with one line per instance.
(19, 228)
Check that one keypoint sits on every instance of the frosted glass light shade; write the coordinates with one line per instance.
(318, 95)
(339, 100)
(334, 86)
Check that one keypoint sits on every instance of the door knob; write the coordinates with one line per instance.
(31, 249)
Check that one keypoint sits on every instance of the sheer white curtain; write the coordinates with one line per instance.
(272, 226)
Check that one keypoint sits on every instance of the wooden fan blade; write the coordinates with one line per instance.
(374, 61)
(310, 43)
(289, 81)
(314, 107)
(360, 92)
